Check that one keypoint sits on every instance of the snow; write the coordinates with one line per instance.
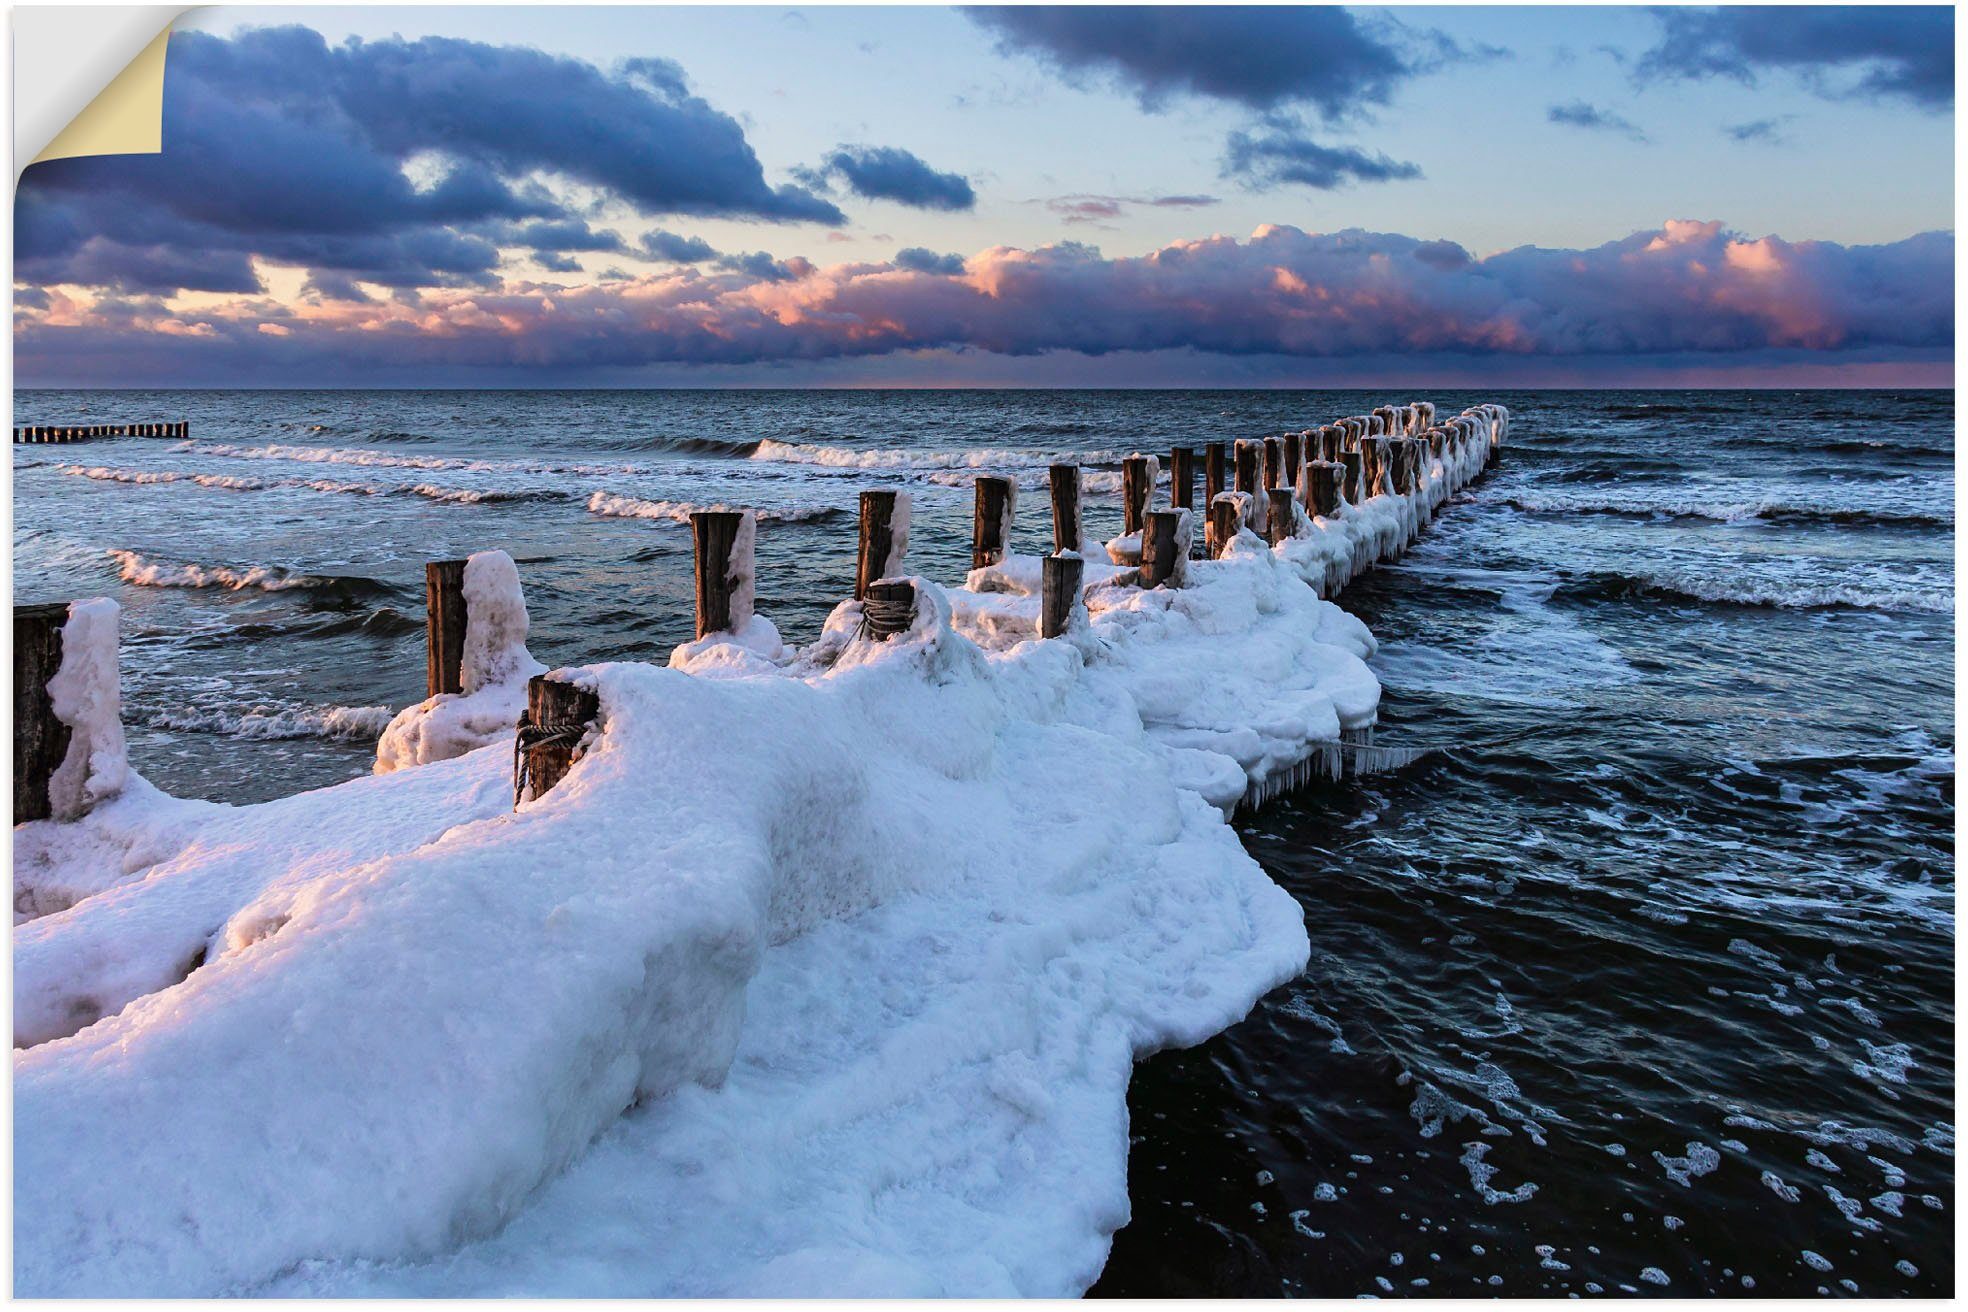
(494, 674)
(823, 972)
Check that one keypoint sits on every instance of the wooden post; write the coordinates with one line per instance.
(558, 715)
(1274, 463)
(881, 539)
(1322, 479)
(990, 529)
(1294, 457)
(714, 533)
(1247, 481)
(1225, 521)
(1279, 521)
(1213, 473)
(1065, 507)
(40, 738)
(1406, 467)
(1160, 554)
(1355, 479)
(444, 627)
(888, 609)
(1182, 477)
(1059, 578)
(1136, 492)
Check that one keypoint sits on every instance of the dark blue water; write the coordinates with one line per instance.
(1641, 981)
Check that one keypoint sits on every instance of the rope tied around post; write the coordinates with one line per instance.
(888, 609)
(531, 735)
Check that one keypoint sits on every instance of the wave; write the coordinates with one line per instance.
(336, 723)
(614, 506)
(143, 572)
(1767, 509)
(1617, 586)
(981, 458)
(430, 491)
(328, 455)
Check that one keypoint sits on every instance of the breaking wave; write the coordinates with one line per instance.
(1614, 586)
(336, 723)
(1774, 509)
(614, 506)
(993, 459)
(144, 572)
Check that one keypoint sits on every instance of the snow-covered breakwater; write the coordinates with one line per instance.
(887, 922)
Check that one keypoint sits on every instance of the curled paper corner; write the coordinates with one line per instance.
(89, 80)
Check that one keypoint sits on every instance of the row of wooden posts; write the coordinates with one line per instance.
(1321, 469)
(39, 433)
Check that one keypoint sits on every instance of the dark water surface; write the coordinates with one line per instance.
(1641, 982)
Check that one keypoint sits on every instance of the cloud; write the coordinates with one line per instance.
(1579, 114)
(919, 259)
(1089, 208)
(554, 263)
(1258, 57)
(889, 173)
(1872, 52)
(1688, 291)
(404, 163)
(678, 249)
(761, 266)
(1282, 155)
(1768, 131)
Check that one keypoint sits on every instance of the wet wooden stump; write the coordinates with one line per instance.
(1160, 552)
(445, 618)
(714, 535)
(991, 523)
(558, 716)
(1059, 580)
(879, 538)
(1065, 507)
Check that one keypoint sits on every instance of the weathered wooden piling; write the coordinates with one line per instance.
(558, 717)
(1274, 463)
(40, 738)
(1279, 521)
(990, 532)
(1065, 507)
(1214, 474)
(714, 534)
(1322, 484)
(1137, 490)
(1294, 445)
(1226, 520)
(884, 538)
(889, 608)
(444, 627)
(1247, 477)
(1354, 481)
(1407, 464)
(1182, 477)
(1162, 553)
(1059, 580)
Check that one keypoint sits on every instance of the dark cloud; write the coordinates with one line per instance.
(1259, 57)
(1096, 210)
(281, 147)
(1869, 51)
(677, 248)
(889, 173)
(1768, 131)
(1689, 291)
(1280, 154)
(1579, 114)
(761, 265)
(919, 259)
(556, 263)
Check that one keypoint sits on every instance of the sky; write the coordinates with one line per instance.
(1038, 196)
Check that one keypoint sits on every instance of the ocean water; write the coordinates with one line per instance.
(1639, 980)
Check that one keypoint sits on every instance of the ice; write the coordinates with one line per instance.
(494, 674)
(823, 972)
(87, 698)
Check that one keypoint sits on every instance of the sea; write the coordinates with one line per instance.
(1638, 979)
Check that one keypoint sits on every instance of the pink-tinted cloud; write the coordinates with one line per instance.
(1689, 290)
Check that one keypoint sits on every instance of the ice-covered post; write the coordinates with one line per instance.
(1274, 463)
(1182, 477)
(1406, 465)
(724, 541)
(1226, 518)
(1214, 483)
(1247, 481)
(558, 717)
(1294, 457)
(884, 538)
(1354, 462)
(990, 530)
(1065, 507)
(1059, 579)
(40, 738)
(1279, 518)
(1137, 487)
(444, 627)
(1322, 479)
(1164, 548)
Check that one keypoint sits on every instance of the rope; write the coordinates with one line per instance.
(533, 735)
(883, 618)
